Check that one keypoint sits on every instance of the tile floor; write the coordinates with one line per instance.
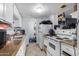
(34, 50)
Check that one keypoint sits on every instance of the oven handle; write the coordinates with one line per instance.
(53, 39)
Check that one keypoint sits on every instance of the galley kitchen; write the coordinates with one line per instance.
(39, 29)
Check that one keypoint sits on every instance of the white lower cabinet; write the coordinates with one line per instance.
(67, 50)
(77, 51)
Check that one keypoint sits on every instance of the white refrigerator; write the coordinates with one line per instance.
(43, 29)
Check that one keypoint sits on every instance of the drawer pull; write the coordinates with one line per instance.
(66, 54)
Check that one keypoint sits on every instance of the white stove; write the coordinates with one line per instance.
(53, 47)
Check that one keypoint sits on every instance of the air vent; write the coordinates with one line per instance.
(63, 6)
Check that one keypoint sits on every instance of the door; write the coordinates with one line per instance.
(54, 47)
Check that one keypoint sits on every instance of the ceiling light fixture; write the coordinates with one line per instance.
(39, 8)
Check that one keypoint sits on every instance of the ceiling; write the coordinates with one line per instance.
(26, 9)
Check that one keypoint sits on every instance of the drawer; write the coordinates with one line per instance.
(67, 48)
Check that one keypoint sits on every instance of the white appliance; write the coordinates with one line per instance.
(43, 29)
(53, 47)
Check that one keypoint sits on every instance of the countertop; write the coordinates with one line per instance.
(11, 48)
(66, 41)
(70, 42)
(56, 38)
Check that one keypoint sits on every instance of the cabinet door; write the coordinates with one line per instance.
(9, 12)
(1, 10)
(77, 51)
(68, 49)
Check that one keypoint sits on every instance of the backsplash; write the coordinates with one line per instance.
(70, 33)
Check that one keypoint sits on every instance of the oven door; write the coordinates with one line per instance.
(54, 47)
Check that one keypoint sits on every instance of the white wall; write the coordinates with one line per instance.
(28, 24)
(25, 26)
(18, 21)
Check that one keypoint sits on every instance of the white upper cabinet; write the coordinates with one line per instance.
(1, 10)
(8, 13)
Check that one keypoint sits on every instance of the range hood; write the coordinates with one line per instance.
(46, 22)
